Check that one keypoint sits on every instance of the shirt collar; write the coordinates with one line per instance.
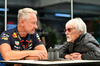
(16, 30)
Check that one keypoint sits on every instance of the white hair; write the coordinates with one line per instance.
(78, 24)
(24, 13)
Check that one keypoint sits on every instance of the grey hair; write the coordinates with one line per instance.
(79, 24)
(24, 13)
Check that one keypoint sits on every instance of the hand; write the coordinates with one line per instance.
(73, 56)
(76, 56)
(17, 64)
(39, 53)
(67, 56)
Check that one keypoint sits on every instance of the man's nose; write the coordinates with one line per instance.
(66, 32)
(35, 26)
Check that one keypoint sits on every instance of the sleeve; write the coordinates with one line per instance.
(36, 39)
(93, 52)
(4, 38)
(63, 50)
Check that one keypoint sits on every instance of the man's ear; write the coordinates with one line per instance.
(22, 22)
(80, 32)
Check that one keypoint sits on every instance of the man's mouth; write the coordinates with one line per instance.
(67, 36)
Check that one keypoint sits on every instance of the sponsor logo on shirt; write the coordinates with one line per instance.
(17, 42)
(5, 36)
(16, 48)
(30, 45)
(38, 37)
(30, 40)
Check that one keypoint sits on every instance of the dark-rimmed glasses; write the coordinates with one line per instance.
(69, 29)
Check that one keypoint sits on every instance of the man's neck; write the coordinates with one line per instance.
(21, 31)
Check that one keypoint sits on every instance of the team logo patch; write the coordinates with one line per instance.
(17, 42)
(15, 35)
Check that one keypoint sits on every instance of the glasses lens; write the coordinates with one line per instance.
(69, 30)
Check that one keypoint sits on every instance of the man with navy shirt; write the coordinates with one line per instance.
(22, 42)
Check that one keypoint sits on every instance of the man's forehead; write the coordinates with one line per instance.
(69, 25)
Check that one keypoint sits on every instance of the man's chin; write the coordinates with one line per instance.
(31, 33)
(68, 40)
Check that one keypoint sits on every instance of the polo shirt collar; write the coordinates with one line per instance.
(16, 30)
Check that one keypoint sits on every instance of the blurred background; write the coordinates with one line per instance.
(52, 17)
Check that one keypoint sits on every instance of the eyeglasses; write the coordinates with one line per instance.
(69, 29)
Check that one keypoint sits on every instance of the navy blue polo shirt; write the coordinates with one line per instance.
(16, 42)
(11, 37)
